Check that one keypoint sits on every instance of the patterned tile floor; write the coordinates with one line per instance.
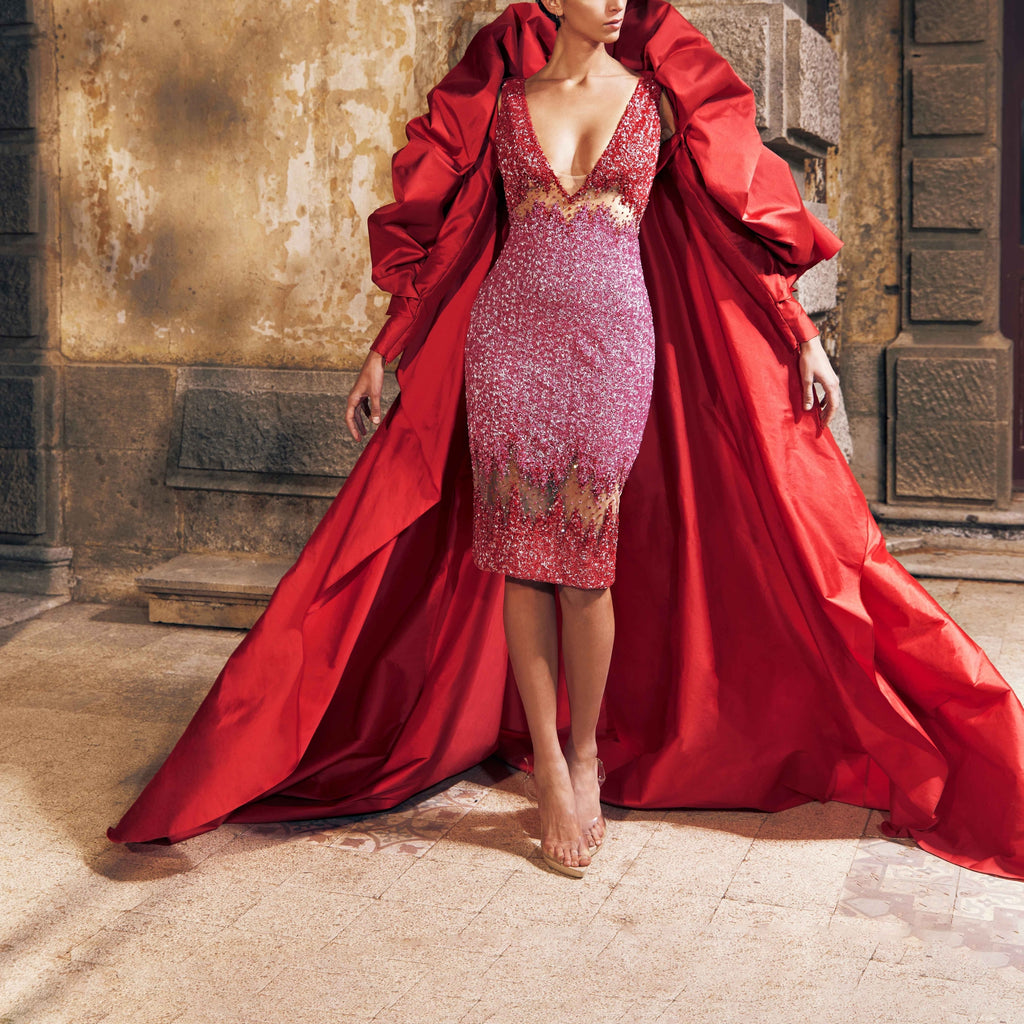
(440, 911)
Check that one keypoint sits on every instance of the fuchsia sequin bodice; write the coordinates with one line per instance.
(560, 352)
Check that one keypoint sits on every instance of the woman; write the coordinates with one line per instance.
(767, 649)
(559, 369)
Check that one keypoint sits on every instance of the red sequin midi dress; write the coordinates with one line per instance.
(559, 362)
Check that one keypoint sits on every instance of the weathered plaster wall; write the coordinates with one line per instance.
(218, 159)
(218, 162)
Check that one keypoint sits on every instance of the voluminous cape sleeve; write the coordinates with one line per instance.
(715, 117)
(427, 173)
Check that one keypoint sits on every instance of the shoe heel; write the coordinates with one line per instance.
(601, 776)
(530, 786)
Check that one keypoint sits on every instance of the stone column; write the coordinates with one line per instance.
(948, 379)
(868, 38)
(31, 559)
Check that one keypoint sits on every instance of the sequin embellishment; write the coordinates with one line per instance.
(560, 353)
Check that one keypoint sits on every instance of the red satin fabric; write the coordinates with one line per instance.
(768, 649)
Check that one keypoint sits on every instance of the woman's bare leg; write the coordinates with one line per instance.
(588, 631)
(530, 630)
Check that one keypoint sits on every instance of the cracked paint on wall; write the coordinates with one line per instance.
(218, 162)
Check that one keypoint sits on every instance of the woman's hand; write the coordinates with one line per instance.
(815, 367)
(365, 396)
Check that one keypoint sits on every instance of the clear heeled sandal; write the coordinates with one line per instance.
(530, 791)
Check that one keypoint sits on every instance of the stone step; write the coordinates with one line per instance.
(956, 563)
(15, 608)
(35, 569)
(229, 591)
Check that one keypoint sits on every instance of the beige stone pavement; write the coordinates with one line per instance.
(440, 911)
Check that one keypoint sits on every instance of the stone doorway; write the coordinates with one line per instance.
(1012, 222)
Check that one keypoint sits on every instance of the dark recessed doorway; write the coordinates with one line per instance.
(1012, 219)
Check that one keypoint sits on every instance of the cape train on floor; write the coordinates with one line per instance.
(768, 651)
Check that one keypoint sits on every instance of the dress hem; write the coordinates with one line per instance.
(533, 575)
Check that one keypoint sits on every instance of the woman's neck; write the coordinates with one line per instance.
(576, 57)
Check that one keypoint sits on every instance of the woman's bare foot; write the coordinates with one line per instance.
(561, 835)
(587, 791)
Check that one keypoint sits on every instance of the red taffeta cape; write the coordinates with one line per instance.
(768, 649)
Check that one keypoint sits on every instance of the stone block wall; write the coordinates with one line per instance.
(949, 404)
(184, 276)
(792, 70)
(263, 431)
(964, 451)
(161, 460)
(954, 193)
(21, 462)
(925, 370)
(31, 528)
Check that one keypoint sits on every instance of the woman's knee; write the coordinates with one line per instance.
(581, 597)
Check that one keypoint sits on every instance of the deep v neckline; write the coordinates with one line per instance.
(604, 152)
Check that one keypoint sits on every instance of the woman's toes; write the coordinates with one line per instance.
(556, 851)
(575, 857)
